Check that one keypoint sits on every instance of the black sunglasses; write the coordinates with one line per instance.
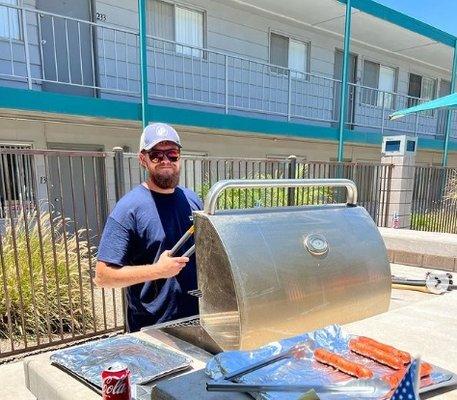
(157, 156)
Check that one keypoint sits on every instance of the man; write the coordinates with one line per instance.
(144, 225)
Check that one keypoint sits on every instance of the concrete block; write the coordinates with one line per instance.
(391, 256)
(397, 184)
(408, 258)
(439, 262)
(395, 198)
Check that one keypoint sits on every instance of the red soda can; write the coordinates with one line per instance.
(116, 382)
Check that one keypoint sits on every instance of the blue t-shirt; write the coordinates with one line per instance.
(141, 227)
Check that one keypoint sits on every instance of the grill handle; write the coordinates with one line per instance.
(219, 187)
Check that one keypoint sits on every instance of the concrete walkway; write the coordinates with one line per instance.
(12, 386)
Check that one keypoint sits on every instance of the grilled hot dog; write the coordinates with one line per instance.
(402, 355)
(375, 353)
(342, 364)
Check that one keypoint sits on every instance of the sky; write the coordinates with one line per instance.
(441, 14)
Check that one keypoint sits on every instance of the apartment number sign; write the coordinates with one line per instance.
(101, 17)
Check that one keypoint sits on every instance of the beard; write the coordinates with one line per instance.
(165, 179)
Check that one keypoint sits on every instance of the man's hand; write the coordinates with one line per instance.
(167, 267)
(109, 276)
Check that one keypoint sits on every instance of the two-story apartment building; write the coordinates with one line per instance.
(239, 78)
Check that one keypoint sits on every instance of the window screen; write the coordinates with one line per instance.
(298, 54)
(414, 89)
(174, 23)
(9, 21)
(160, 17)
(279, 50)
(189, 30)
(387, 85)
(370, 80)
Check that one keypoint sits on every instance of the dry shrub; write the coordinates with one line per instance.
(44, 277)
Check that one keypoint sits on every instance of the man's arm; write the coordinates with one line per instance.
(110, 276)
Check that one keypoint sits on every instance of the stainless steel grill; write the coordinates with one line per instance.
(270, 273)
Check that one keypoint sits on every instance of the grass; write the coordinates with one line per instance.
(44, 277)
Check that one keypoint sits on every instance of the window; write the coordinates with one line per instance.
(9, 21)
(179, 24)
(289, 53)
(383, 79)
(189, 30)
(421, 87)
(16, 176)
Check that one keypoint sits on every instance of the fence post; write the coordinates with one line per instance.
(119, 186)
(119, 177)
(292, 172)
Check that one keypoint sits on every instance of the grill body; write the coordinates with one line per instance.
(266, 274)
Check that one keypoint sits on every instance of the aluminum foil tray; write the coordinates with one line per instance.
(146, 361)
(308, 371)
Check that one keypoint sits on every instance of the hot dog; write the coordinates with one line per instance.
(375, 353)
(394, 379)
(342, 364)
(402, 355)
(426, 369)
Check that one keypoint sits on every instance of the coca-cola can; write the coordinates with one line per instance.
(116, 382)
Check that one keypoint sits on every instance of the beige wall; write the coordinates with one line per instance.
(106, 134)
(40, 131)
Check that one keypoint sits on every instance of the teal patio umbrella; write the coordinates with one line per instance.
(449, 101)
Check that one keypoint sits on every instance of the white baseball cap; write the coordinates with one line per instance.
(156, 133)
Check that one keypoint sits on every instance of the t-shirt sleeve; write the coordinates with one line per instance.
(114, 244)
(195, 201)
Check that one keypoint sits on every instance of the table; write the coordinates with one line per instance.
(417, 322)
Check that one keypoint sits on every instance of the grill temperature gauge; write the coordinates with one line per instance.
(316, 244)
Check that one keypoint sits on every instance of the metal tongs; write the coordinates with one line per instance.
(226, 384)
(188, 253)
(181, 242)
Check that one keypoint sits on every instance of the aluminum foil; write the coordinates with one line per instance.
(306, 370)
(146, 361)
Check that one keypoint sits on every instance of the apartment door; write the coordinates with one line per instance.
(445, 89)
(338, 65)
(78, 188)
(67, 47)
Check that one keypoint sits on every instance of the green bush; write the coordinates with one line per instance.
(46, 288)
(433, 221)
(234, 198)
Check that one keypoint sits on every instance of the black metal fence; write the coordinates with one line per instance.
(434, 204)
(199, 174)
(53, 206)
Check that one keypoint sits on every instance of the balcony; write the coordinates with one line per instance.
(50, 52)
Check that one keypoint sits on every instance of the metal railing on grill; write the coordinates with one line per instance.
(434, 203)
(48, 51)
